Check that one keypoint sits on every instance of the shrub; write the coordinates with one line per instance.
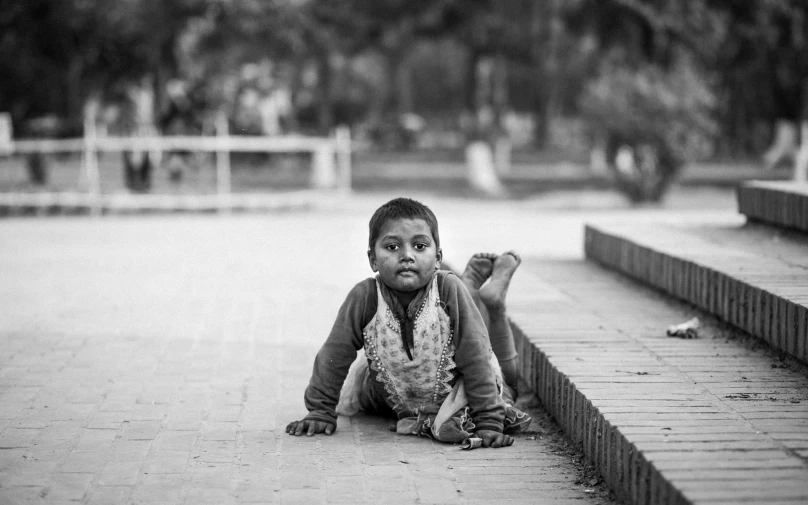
(653, 121)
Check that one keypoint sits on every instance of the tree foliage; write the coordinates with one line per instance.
(752, 53)
(53, 55)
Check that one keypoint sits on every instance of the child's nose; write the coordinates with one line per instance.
(407, 253)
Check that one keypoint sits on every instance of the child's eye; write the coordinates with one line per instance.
(391, 247)
(420, 246)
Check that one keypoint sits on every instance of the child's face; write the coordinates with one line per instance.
(405, 254)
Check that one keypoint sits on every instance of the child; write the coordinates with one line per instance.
(428, 357)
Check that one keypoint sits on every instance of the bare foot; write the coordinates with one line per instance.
(478, 270)
(493, 294)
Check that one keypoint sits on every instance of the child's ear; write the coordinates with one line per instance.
(438, 258)
(372, 260)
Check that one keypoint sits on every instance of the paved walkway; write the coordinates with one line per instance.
(157, 360)
(716, 420)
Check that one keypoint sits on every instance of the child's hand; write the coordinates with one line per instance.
(297, 428)
(494, 438)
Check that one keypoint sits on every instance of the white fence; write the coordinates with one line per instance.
(331, 157)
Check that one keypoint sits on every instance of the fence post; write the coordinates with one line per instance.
(502, 154)
(91, 157)
(323, 174)
(342, 137)
(6, 136)
(223, 161)
(480, 169)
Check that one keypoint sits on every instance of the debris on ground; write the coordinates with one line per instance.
(549, 437)
(688, 329)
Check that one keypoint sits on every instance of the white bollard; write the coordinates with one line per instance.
(323, 173)
(502, 155)
(598, 161)
(223, 184)
(784, 145)
(6, 136)
(342, 138)
(480, 169)
(90, 157)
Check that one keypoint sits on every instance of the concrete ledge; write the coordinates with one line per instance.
(122, 203)
(779, 203)
(763, 293)
(666, 421)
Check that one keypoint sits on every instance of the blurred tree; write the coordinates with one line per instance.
(755, 53)
(389, 28)
(652, 103)
(156, 27)
(531, 55)
(654, 120)
(762, 62)
(516, 47)
(54, 55)
(306, 35)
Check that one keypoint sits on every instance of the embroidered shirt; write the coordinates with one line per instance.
(469, 338)
(416, 371)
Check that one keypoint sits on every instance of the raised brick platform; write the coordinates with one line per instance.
(754, 277)
(779, 203)
(715, 420)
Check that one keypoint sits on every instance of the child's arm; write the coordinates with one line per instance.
(333, 361)
(473, 356)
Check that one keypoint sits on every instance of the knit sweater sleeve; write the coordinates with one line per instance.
(339, 352)
(472, 356)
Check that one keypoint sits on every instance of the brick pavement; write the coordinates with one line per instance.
(718, 419)
(752, 276)
(157, 360)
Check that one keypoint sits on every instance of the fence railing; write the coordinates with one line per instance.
(331, 156)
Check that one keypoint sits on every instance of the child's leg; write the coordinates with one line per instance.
(492, 295)
(478, 270)
(490, 300)
(358, 395)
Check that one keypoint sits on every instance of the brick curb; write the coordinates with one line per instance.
(623, 467)
(782, 204)
(665, 421)
(761, 296)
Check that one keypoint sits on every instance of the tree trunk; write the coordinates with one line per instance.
(404, 92)
(499, 89)
(554, 28)
(325, 104)
(540, 85)
(541, 128)
(75, 95)
(160, 95)
(391, 107)
(470, 98)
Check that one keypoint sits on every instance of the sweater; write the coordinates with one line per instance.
(470, 339)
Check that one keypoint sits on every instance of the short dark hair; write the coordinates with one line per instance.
(402, 208)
